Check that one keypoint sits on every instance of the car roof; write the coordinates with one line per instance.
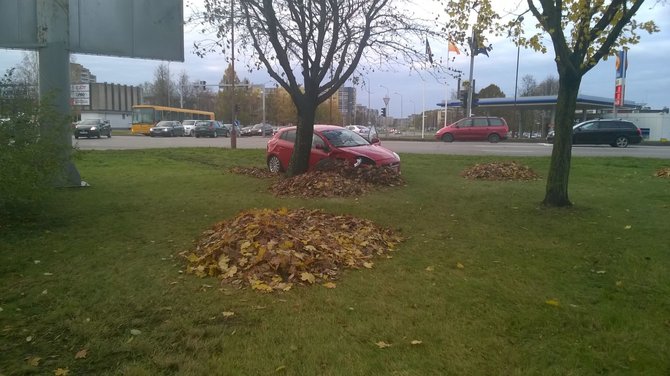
(317, 127)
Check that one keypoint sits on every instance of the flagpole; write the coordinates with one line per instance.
(423, 107)
(473, 52)
(446, 87)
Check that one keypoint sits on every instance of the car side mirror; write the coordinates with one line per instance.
(375, 140)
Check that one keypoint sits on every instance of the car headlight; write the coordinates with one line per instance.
(358, 162)
(94, 128)
(396, 155)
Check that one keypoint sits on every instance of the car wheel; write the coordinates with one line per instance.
(274, 165)
(216, 134)
(197, 135)
(493, 138)
(98, 136)
(447, 137)
(76, 137)
(621, 142)
(109, 135)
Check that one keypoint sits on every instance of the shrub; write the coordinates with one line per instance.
(33, 149)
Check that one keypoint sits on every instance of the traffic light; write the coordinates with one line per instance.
(464, 98)
(384, 112)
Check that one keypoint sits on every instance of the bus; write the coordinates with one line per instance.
(146, 116)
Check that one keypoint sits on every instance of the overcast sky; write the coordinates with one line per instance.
(648, 76)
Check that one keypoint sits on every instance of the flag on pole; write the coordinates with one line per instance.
(476, 50)
(453, 48)
(429, 52)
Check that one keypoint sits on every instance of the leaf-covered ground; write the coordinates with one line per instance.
(272, 250)
(499, 171)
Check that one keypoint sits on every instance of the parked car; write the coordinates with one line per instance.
(475, 128)
(209, 128)
(363, 131)
(93, 128)
(260, 129)
(189, 126)
(613, 132)
(169, 128)
(330, 142)
(229, 127)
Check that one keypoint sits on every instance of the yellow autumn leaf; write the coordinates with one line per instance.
(429, 269)
(33, 361)
(368, 265)
(460, 266)
(81, 354)
(416, 342)
(230, 272)
(61, 372)
(308, 277)
(223, 262)
(228, 313)
(280, 368)
(382, 344)
(310, 248)
(260, 286)
(628, 227)
(329, 285)
(553, 302)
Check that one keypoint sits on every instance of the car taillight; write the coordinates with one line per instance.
(639, 132)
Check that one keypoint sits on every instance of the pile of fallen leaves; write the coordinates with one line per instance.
(499, 171)
(337, 178)
(663, 172)
(274, 249)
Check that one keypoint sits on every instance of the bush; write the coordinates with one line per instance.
(33, 149)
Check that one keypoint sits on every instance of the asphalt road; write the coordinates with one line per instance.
(506, 148)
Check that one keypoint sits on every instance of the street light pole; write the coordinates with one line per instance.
(518, 21)
(400, 103)
(233, 135)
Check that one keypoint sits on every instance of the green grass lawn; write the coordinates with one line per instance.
(487, 280)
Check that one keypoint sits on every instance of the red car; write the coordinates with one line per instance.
(330, 142)
(476, 128)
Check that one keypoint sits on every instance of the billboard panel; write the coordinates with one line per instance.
(18, 24)
(147, 29)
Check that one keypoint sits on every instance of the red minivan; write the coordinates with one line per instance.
(475, 128)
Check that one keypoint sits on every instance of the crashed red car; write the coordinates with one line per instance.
(331, 142)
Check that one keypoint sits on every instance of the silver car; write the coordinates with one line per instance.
(189, 127)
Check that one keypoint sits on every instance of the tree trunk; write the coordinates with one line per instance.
(303, 139)
(559, 170)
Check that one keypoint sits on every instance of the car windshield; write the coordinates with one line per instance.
(205, 123)
(164, 124)
(259, 126)
(188, 122)
(89, 122)
(344, 138)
